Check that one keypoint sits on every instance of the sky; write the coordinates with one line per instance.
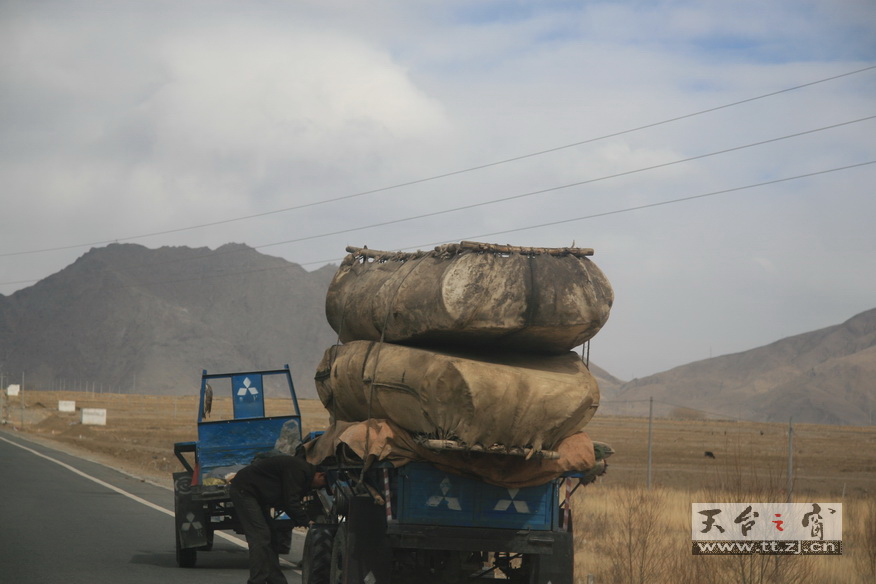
(717, 156)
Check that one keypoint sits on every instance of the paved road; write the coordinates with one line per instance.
(66, 520)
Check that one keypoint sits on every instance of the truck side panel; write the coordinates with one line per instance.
(429, 496)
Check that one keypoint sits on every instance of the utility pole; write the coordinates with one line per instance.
(21, 399)
(790, 457)
(650, 433)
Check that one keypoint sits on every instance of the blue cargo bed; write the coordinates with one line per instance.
(429, 496)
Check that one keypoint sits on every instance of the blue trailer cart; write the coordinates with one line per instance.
(420, 523)
(202, 503)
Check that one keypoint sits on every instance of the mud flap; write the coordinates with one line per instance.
(368, 555)
(559, 566)
(191, 516)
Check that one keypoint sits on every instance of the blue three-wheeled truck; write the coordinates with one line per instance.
(202, 502)
(375, 523)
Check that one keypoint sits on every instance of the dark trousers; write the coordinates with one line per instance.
(262, 539)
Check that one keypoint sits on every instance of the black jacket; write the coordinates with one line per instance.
(279, 482)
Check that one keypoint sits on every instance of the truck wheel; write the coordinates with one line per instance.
(185, 558)
(182, 488)
(316, 559)
(339, 552)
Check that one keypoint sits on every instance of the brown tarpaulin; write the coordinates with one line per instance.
(390, 443)
(543, 300)
(514, 400)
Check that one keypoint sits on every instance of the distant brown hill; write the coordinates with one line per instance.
(608, 383)
(826, 376)
(126, 318)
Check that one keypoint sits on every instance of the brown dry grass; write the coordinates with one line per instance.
(630, 534)
(624, 532)
(141, 429)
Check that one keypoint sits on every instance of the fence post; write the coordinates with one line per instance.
(650, 433)
(790, 457)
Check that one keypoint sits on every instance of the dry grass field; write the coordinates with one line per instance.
(624, 531)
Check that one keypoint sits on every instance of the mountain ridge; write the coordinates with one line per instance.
(823, 376)
(136, 319)
(127, 318)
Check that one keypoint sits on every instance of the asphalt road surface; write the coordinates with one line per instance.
(68, 520)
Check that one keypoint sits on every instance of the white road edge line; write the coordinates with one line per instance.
(231, 538)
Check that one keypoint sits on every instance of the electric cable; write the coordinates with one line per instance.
(560, 187)
(525, 228)
(661, 203)
(447, 174)
(511, 197)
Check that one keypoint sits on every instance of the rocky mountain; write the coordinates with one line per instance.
(608, 383)
(125, 318)
(827, 376)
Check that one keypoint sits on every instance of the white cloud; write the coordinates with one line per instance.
(299, 93)
(134, 119)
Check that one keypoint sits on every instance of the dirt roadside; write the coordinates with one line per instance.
(141, 430)
(139, 434)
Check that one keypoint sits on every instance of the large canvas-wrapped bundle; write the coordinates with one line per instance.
(514, 400)
(543, 300)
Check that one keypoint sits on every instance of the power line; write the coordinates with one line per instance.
(619, 211)
(521, 195)
(559, 222)
(524, 228)
(670, 202)
(562, 187)
(448, 174)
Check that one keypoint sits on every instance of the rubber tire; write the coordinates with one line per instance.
(316, 558)
(185, 558)
(339, 551)
(209, 546)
